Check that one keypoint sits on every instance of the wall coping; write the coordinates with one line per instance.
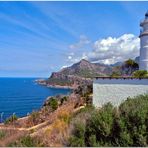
(123, 78)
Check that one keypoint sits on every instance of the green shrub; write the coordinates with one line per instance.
(126, 125)
(2, 134)
(140, 74)
(11, 119)
(115, 74)
(34, 117)
(58, 81)
(76, 142)
(53, 103)
(100, 125)
(78, 136)
(135, 114)
(26, 141)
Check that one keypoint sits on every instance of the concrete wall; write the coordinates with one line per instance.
(143, 63)
(117, 90)
(143, 53)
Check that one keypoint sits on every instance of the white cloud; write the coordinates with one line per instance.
(109, 50)
(69, 57)
(65, 66)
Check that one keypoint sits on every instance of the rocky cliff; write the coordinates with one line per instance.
(78, 73)
(84, 69)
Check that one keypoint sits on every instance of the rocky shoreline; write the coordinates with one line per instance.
(63, 87)
(44, 83)
(53, 117)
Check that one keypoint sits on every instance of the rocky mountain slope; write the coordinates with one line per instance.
(84, 69)
(78, 73)
(83, 72)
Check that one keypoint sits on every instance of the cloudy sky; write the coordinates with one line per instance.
(37, 38)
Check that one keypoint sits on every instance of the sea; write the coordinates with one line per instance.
(21, 96)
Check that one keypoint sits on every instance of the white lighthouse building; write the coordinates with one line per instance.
(116, 90)
(143, 64)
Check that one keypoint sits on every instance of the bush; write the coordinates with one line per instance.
(115, 74)
(135, 115)
(63, 99)
(2, 134)
(140, 74)
(76, 142)
(34, 117)
(26, 141)
(53, 103)
(100, 125)
(126, 125)
(11, 119)
(78, 136)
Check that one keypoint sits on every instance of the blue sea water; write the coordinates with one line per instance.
(23, 95)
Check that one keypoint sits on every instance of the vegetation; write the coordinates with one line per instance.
(53, 103)
(58, 81)
(85, 125)
(126, 125)
(33, 118)
(26, 141)
(140, 74)
(11, 119)
(86, 73)
(131, 65)
(63, 99)
(115, 74)
(2, 134)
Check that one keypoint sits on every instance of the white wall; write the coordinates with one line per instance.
(144, 49)
(117, 90)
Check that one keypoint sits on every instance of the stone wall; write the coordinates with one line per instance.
(117, 90)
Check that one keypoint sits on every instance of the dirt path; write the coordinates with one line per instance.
(18, 132)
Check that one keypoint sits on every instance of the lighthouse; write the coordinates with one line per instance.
(143, 63)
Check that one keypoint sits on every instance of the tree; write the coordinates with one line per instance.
(140, 74)
(131, 65)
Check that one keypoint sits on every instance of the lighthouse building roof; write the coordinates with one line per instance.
(145, 21)
(146, 14)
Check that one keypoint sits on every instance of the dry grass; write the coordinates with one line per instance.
(11, 135)
(57, 133)
(52, 131)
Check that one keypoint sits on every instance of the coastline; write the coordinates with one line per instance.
(54, 113)
(62, 87)
(43, 82)
(37, 81)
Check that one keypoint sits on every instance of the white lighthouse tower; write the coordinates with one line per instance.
(143, 64)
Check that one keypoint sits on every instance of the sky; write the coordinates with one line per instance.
(37, 38)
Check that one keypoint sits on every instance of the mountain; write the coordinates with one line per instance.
(83, 72)
(117, 64)
(84, 69)
(78, 73)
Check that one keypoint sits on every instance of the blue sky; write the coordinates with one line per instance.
(37, 38)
